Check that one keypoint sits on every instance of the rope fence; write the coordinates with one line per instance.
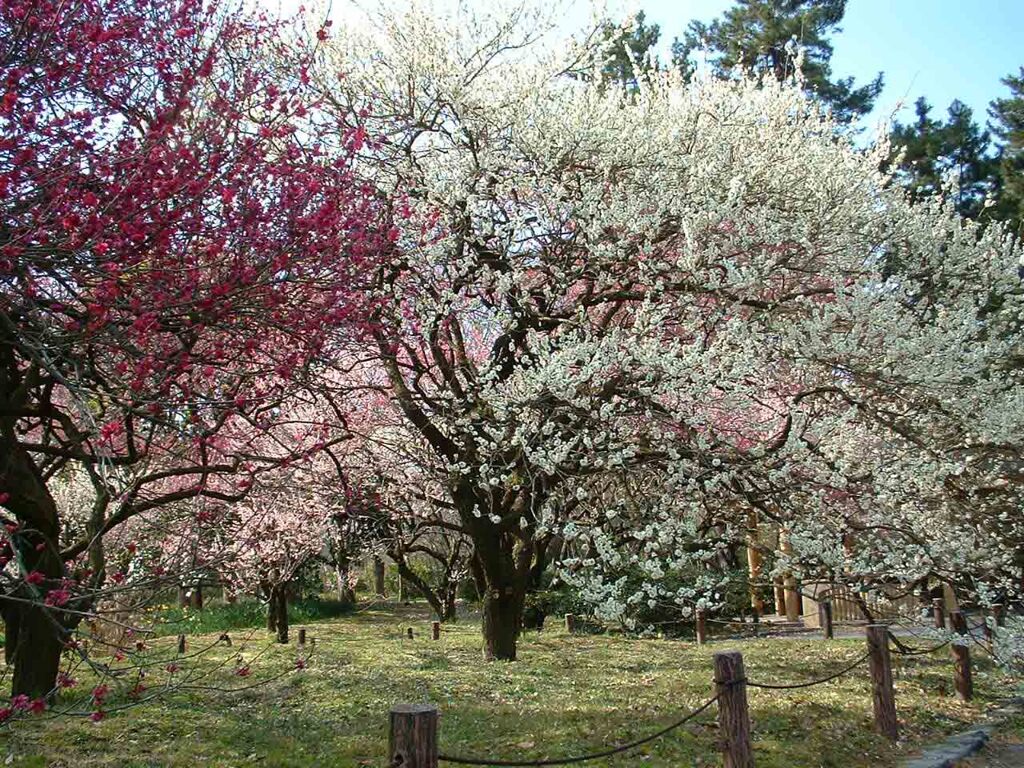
(413, 741)
(583, 758)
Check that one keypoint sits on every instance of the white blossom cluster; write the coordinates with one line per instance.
(635, 318)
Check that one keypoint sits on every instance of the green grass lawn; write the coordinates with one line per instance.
(566, 695)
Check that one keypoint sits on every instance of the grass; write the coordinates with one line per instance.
(243, 614)
(566, 695)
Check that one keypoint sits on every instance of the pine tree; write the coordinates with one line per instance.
(762, 36)
(1008, 127)
(955, 150)
(629, 48)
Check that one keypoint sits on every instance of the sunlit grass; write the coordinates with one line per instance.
(566, 695)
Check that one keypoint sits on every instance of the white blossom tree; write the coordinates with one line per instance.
(634, 318)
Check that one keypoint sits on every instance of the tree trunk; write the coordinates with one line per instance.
(378, 576)
(197, 597)
(407, 574)
(34, 648)
(34, 632)
(502, 623)
(403, 590)
(271, 594)
(346, 595)
(448, 612)
(505, 558)
(182, 596)
(280, 608)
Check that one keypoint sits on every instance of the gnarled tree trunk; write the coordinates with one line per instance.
(505, 558)
(35, 634)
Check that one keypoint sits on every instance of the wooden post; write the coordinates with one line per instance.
(702, 628)
(408, 633)
(881, 681)
(570, 623)
(435, 630)
(939, 609)
(302, 636)
(963, 681)
(412, 742)
(226, 639)
(826, 619)
(181, 644)
(733, 714)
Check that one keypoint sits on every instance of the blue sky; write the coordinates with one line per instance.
(940, 49)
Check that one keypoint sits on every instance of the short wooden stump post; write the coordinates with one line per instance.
(702, 628)
(226, 639)
(408, 633)
(826, 619)
(882, 696)
(570, 623)
(302, 636)
(181, 644)
(435, 630)
(939, 611)
(733, 713)
(963, 681)
(412, 741)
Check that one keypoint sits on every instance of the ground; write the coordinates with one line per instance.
(566, 695)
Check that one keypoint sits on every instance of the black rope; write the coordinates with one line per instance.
(792, 686)
(580, 758)
(905, 650)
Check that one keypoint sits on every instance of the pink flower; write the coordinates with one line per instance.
(37, 706)
(97, 716)
(57, 597)
(64, 680)
(35, 577)
(243, 671)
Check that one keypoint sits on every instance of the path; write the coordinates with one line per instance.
(1006, 750)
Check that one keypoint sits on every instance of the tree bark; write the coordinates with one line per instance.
(269, 591)
(505, 558)
(502, 622)
(449, 610)
(280, 608)
(346, 595)
(35, 635)
(378, 576)
(34, 650)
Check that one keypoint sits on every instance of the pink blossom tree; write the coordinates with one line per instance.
(180, 237)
